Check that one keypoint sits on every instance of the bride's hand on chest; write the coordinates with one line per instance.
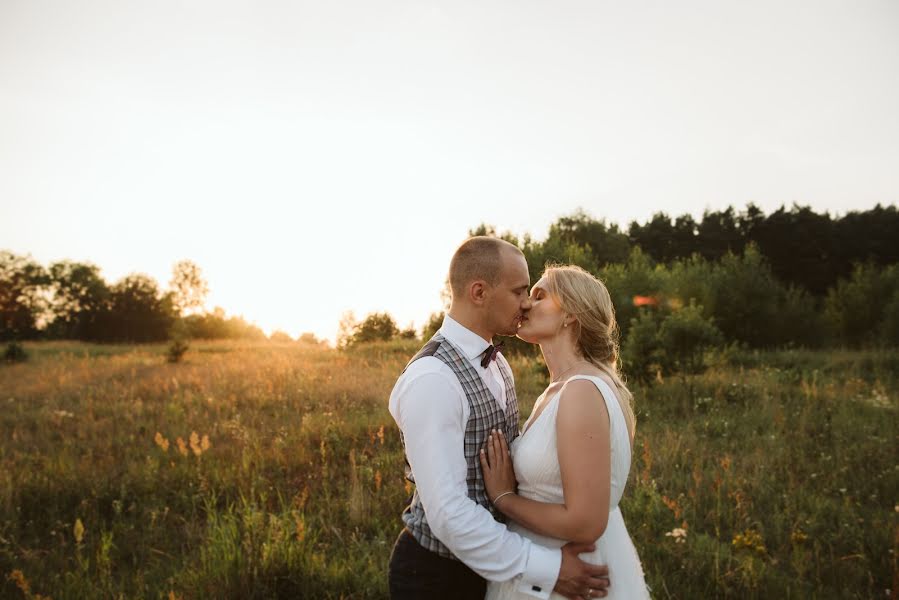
(496, 465)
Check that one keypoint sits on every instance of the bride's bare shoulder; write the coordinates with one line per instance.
(599, 374)
(581, 407)
(579, 388)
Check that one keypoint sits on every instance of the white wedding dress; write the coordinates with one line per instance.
(536, 461)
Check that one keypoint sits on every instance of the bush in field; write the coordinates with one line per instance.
(309, 338)
(673, 342)
(684, 336)
(860, 310)
(745, 299)
(375, 327)
(691, 279)
(176, 350)
(14, 353)
(638, 277)
(641, 354)
(799, 321)
(216, 325)
(280, 336)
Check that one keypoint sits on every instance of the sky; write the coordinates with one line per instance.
(319, 157)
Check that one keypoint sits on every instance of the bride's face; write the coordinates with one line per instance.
(544, 320)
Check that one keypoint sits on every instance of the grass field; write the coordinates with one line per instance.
(266, 470)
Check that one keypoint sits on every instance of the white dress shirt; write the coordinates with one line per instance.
(432, 411)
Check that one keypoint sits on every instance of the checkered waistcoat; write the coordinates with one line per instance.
(485, 414)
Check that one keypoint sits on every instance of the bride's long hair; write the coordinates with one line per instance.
(596, 332)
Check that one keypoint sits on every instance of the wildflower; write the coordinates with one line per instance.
(672, 505)
(182, 447)
(19, 578)
(195, 443)
(205, 444)
(798, 536)
(161, 442)
(78, 530)
(749, 539)
(381, 435)
(300, 526)
(725, 463)
(679, 534)
(378, 480)
(300, 499)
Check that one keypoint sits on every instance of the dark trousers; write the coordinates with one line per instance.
(416, 572)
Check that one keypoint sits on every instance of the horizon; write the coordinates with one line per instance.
(207, 308)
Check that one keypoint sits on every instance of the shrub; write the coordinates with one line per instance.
(640, 354)
(856, 308)
(684, 336)
(280, 336)
(639, 277)
(375, 327)
(15, 353)
(746, 299)
(177, 349)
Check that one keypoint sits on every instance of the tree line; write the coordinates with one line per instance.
(807, 249)
(71, 300)
(793, 277)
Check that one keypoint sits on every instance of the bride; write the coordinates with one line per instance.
(573, 456)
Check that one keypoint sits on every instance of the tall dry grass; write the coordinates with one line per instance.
(274, 470)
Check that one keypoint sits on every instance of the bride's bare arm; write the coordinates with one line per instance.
(582, 432)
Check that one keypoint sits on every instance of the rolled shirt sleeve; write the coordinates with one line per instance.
(431, 410)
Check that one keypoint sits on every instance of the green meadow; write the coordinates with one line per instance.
(264, 470)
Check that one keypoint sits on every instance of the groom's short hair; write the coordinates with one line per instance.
(478, 257)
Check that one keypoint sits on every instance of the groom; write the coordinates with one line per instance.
(451, 394)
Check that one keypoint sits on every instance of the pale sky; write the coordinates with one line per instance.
(317, 157)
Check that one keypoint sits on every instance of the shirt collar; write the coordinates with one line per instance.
(471, 344)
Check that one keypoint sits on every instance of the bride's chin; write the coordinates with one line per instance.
(524, 337)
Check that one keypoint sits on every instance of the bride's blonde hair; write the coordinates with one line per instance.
(596, 332)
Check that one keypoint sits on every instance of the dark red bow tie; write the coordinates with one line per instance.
(491, 353)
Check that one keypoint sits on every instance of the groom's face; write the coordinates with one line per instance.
(509, 297)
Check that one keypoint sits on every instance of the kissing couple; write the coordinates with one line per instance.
(499, 514)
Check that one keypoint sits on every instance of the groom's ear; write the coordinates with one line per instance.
(478, 290)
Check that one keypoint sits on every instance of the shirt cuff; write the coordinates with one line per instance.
(542, 571)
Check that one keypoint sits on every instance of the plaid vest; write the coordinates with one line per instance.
(485, 414)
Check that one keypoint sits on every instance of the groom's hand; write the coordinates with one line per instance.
(579, 580)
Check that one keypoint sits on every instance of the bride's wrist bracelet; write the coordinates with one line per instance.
(495, 500)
